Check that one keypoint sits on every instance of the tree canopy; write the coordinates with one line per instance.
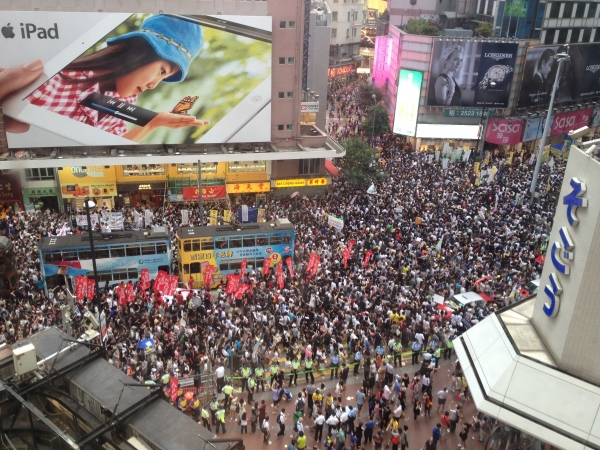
(360, 166)
(382, 121)
(364, 98)
(420, 26)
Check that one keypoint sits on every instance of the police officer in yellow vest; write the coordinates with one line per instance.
(220, 420)
(251, 385)
(195, 404)
(246, 372)
(294, 374)
(397, 348)
(227, 390)
(214, 406)
(273, 370)
(182, 403)
(205, 415)
(308, 368)
(166, 378)
(259, 373)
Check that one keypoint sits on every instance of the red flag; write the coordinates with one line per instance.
(280, 276)
(345, 255)
(243, 269)
(208, 273)
(91, 289)
(129, 293)
(350, 245)
(172, 285)
(233, 281)
(313, 264)
(267, 266)
(173, 388)
(162, 281)
(367, 258)
(145, 278)
(80, 287)
(290, 266)
(121, 295)
(241, 290)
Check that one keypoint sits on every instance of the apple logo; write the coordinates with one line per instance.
(7, 31)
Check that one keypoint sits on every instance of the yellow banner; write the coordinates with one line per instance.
(240, 188)
(227, 216)
(262, 217)
(476, 167)
(297, 182)
(213, 216)
(316, 182)
(87, 174)
(510, 157)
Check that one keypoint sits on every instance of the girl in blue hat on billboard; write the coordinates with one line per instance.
(161, 50)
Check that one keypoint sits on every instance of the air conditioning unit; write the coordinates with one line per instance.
(24, 359)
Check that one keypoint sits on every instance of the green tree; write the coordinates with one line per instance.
(484, 29)
(420, 26)
(359, 166)
(364, 99)
(382, 121)
(385, 16)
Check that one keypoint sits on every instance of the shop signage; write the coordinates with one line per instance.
(382, 59)
(40, 192)
(334, 72)
(208, 192)
(86, 189)
(309, 106)
(533, 129)
(572, 120)
(241, 188)
(564, 248)
(504, 131)
(363, 70)
(316, 182)
(88, 174)
(10, 188)
(455, 112)
(299, 182)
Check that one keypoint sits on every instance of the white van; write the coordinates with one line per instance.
(457, 301)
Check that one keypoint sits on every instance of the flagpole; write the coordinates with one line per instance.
(89, 203)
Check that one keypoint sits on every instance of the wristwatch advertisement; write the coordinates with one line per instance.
(495, 73)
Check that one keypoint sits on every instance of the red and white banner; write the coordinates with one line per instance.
(173, 388)
(345, 255)
(280, 276)
(208, 275)
(313, 264)
(121, 295)
(129, 292)
(243, 268)
(145, 278)
(241, 290)
(267, 266)
(290, 266)
(367, 258)
(504, 131)
(91, 289)
(208, 192)
(162, 281)
(350, 245)
(80, 287)
(572, 120)
(233, 281)
(172, 286)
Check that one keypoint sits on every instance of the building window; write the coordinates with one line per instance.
(308, 166)
(549, 36)
(353, 32)
(291, 60)
(282, 95)
(575, 35)
(592, 10)
(334, 32)
(279, 127)
(292, 24)
(348, 16)
(555, 10)
(580, 11)
(282, 60)
(334, 16)
(43, 173)
(290, 94)
(568, 11)
(587, 34)
(288, 127)
(348, 33)
(282, 24)
(562, 35)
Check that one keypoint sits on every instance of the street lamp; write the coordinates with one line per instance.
(482, 125)
(560, 57)
(373, 127)
(90, 204)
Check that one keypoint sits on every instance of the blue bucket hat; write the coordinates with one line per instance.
(175, 40)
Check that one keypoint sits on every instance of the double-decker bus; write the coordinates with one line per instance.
(224, 247)
(119, 256)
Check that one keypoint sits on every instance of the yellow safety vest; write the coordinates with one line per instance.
(204, 413)
(227, 390)
(308, 363)
(221, 415)
(259, 372)
(214, 406)
(295, 365)
(250, 383)
(245, 372)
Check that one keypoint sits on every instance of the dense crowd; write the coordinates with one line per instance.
(428, 230)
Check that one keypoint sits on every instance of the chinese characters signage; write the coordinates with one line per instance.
(241, 188)
(334, 72)
(383, 56)
(572, 120)
(300, 182)
(504, 132)
(10, 188)
(208, 192)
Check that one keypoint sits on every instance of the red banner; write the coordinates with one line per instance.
(121, 295)
(145, 278)
(290, 266)
(266, 266)
(129, 294)
(208, 274)
(91, 289)
(572, 120)
(10, 188)
(280, 276)
(350, 245)
(313, 264)
(173, 388)
(208, 192)
(243, 269)
(367, 258)
(334, 72)
(345, 255)
(80, 287)
(162, 281)
(504, 131)
(172, 285)
(233, 281)
(241, 290)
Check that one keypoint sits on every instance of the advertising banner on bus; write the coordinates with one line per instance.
(137, 78)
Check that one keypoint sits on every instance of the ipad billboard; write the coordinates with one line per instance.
(128, 79)
(407, 102)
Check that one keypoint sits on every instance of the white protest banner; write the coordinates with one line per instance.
(185, 217)
(148, 216)
(335, 222)
(115, 221)
(82, 220)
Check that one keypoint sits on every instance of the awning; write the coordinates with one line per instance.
(332, 169)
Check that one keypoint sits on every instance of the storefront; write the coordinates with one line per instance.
(41, 198)
(432, 137)
(97, 182)
(341, 75)
(245, 179)
(11, 198)
(185, 175)
(141, 185)
(304, 186)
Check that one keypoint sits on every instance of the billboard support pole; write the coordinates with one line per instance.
(561, 57)
(200, 193)
(483, 126)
